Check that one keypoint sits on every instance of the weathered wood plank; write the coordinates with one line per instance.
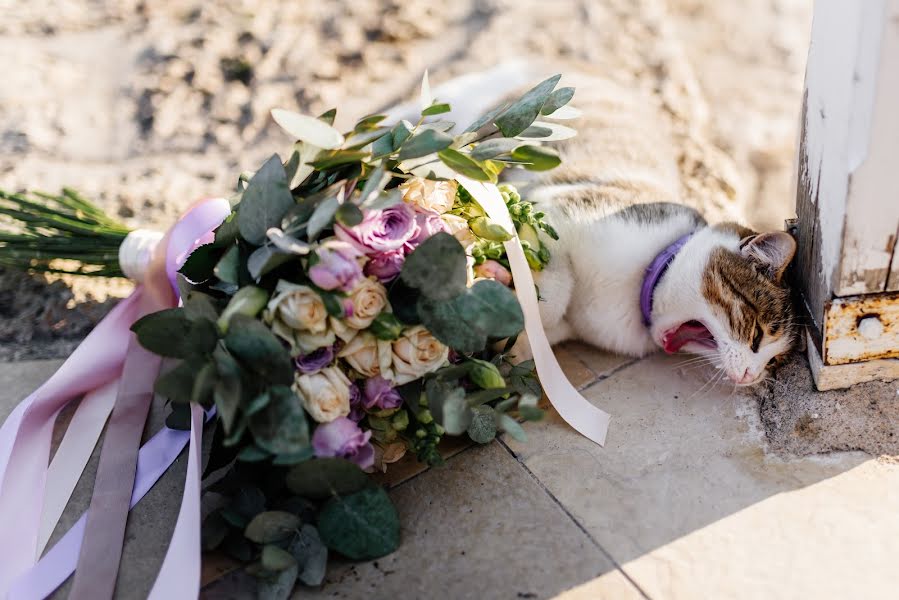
(860, 328)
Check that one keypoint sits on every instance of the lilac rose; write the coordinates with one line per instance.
(337, 267)
(381, 230)
(428, 223)
(386, 265)
(379, 393)
(315, 361)
(357, 406)
(344, 439)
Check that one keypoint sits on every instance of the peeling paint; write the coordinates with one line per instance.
(846, 340)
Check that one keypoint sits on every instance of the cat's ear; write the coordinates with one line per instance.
(773, 251)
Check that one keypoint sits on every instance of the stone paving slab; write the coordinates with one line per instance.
(480, 527)
(686, 498)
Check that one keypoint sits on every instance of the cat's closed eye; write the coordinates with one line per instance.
(757, 337)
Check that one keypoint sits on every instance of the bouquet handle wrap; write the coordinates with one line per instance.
(574, 409)
(25, 436)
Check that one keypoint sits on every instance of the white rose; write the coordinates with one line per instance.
(367, 354)
(435, 196)
(325, 395)
(458, 227)
(415, 353)
(297, 314)
(369, 299)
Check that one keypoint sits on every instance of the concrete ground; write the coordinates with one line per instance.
(700, 492)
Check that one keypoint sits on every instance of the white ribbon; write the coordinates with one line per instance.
(574, 409)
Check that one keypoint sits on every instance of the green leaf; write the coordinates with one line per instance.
(252, 454)
(265, 259)
(482, 428)
(424, 143)
(400, 133)
(483, 396)
(446, 400)
(557, 100)
(199, 306)
(364, 138)
(386, 327)
(436, 109)
(368, 122)
(199, 265)
(487, 229)
(522, 113)
(281, 427)
(309, 129)
(272, 526)
(539, 158)
(257, 404)
(528, 409)
(179, 418)
(227, 391)
(495, 147)
(324, 477)
(248, 502)
(204, 383)
(322, 217)
(292, 165)
(311, 555)
(382, 146)
(166, 333)
(348, 214)
(213, 531)
(226, 269)
(278, 586)
(203, 336)
(265, 201)
(437, 267)
(511, 426)
(337, 158)
(361, 526)
(486, 310)
(276, 559)
(464, 164)
(252, 343)
(294, 458)
(425, 97)
(547, 132)
(328, 116)
(486, 118)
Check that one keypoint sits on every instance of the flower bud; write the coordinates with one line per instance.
(400, 420)
(247, 301)
(528, 234)
(485, 374)
(483, 227)
(386, 327)
(425, 416)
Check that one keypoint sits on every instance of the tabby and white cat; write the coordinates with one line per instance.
(709, 289)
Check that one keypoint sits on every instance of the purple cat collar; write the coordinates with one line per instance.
(654, 273)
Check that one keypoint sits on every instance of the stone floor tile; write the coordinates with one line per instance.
(682, 463)
(569, 357)
(599, 362)
(481, 527)
(18, 379)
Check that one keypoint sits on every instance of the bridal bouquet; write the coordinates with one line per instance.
(355, 306)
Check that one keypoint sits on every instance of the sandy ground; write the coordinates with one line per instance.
(148, 105)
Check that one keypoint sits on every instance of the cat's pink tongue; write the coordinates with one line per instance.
(691, 331)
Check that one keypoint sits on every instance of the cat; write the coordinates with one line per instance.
(636, 269)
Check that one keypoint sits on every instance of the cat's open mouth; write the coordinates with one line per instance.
(686, 333)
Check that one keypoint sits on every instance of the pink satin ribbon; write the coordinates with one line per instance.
(25, 436)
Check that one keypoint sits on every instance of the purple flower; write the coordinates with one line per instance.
(337, 267)
(357, 407)
(316, 360)
(379, 393)
(428, 223)
(344, 439)
(386, 265)
(381, 230)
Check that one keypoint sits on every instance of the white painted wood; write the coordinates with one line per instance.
(872, 203)
(837, 377)
(860, 328)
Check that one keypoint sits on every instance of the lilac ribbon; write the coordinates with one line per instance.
(25, 436)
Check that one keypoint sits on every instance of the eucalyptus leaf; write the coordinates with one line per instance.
(252, 343)
(324, 477)
(276, 559)
(385, 200)
(201, 392)
(368, 122)
(446, 401)
(495, 147)
(511, 426)
(436, 109)
(547, 132)
(199, 265)
(364, 138)
(463, 164)
(176, 384)
(265, 259)
(400, 133)
(272, 526)
(376, 181)
(328, 116)
(281, 427)
(227, 390)
(199, 306)
(287, 243)
(361, 526)
(538, 158)
(424, 143)
(437, 267)
(525, 110)
(179, 418)
(277, 586)
(265, 201)
(486, 118)
(166, 333)
(338, 158)
(348, 214)
(253, 454)
(557, 100)
(311, 555)
(322, 217)
(213, 531)
(309, 129)
(228, 266)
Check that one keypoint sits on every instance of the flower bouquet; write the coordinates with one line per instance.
(353, 306)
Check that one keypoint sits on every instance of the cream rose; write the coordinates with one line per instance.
(369, 299)
(367, 354)
(427, 194)
(297, 314)
(325, 395)
(415, 353)
(458, 227)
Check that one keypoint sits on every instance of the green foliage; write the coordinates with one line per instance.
(265, 201)
(537, 158)
(427, 142)
(281, 426)
(272, 526)
(464, 164)
(482, 428)
(437, 268)
(446, 401)
(522, 113)
(360, 526)
(324, 477)
(256, 347)
(166, 333)
(311, 555)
